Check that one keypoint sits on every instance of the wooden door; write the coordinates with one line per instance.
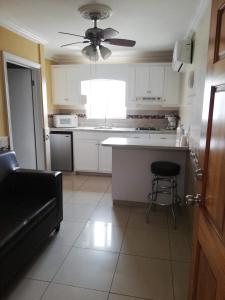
(208, 265)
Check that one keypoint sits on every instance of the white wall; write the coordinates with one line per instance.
(192, 99)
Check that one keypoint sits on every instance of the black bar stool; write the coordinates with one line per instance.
(164, 182)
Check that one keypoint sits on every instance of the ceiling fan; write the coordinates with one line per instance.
(95, 36)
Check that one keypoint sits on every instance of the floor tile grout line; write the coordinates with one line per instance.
(51, 281)
(73, 243)
(101, 291)
(45, 290)
(127, 295)
(171, 262)
(119, 254)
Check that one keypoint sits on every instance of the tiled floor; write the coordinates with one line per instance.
(107, 253)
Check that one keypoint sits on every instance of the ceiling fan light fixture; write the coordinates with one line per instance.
(105, 52)
(90, 52)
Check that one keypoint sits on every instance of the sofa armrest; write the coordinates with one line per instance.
(25, 182)
(45, 184)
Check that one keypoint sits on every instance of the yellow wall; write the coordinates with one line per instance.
(17, 45)
(48, 64)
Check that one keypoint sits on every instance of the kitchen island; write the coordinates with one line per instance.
(131, 161)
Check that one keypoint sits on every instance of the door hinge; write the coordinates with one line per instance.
(32, 82)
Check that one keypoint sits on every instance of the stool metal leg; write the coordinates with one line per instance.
(173, 201)
(170, 189)
(152, 197)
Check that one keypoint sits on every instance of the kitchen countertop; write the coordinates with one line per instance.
(159, 144)
(113, 129)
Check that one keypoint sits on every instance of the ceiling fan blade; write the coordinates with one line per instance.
(105, 52)
(71, 34)
(120, 42)
(74, 44)
(109, 33)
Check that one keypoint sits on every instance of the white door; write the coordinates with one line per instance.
(105, 159)
(22, 116)
(86, 155)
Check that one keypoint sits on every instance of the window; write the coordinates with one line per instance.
(105, 98)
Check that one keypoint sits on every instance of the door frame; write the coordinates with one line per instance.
(37, 96)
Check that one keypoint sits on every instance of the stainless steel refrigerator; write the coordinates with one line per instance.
(61, 144)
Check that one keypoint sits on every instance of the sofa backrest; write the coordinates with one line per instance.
(8, 163)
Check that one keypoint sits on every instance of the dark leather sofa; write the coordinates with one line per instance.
(30, 209)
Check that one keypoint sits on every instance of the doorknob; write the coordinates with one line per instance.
(199, 174)
(191, 199)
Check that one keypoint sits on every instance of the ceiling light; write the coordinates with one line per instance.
(105, 52)
(91, 52)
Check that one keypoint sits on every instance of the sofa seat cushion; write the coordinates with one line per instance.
(17, 216)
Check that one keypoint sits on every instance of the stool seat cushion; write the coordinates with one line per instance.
(165, 168)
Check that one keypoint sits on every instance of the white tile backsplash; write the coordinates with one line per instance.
(134, 119)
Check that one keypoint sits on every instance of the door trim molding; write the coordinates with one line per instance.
(11, 58)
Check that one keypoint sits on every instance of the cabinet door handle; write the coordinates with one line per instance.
(66, 99)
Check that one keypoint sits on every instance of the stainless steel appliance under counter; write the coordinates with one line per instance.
(61, 144)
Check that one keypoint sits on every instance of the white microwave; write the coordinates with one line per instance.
(65, 120)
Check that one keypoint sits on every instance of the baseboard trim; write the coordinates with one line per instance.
(93, 173)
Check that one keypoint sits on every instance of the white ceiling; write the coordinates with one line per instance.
(154, 24)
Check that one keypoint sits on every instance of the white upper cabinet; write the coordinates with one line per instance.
(65, 85)
(156, 79)
(171, 95)
(59, 84)
(142, 85)
(147, 84)
(149, 81)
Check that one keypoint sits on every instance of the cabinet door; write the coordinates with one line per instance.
(86, 155)
(74, 85)
(156, 81)
(130, 85)
(142, 81)
(171, 88)
(66, 88)
(105, 159)
(59, 85)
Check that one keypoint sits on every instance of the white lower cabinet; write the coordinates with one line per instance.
(90, 156)
(86, 155)
(105, 159)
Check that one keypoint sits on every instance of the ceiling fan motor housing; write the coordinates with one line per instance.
(94, 35)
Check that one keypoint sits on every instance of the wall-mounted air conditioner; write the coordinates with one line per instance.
(182, 54)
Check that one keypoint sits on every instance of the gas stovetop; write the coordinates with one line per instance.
(146, 128)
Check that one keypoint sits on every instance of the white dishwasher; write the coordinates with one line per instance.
(61, 145)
